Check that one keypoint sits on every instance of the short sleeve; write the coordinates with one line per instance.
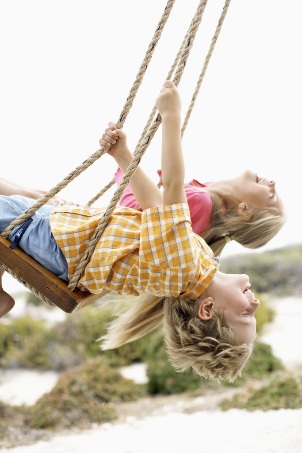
(171, 256)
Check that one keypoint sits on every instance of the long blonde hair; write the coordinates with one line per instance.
(143, 317)
(226, 224)
(147, 313)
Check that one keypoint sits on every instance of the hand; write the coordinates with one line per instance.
(168, 102)
(116, 139)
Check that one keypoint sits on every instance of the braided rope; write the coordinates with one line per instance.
(206, 62)
(149, 121)
(20, 280)
(194, 97)
(78, 170)
(138, 153)
(146, 136)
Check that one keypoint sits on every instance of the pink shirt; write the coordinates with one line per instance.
(199, 202)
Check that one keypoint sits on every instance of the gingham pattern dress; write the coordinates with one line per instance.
(154, 251)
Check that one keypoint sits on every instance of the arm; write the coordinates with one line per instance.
(172, 164)
(11, 188)
(144, 189)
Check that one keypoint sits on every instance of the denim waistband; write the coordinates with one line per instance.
(20, 233)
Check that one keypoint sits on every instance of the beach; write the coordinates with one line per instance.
(177, 423)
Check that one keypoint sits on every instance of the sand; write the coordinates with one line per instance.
(180, 428)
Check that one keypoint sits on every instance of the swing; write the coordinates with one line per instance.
(43, 283)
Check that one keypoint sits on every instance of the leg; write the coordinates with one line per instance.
(10, 188)
(6, 301)
(37, 240)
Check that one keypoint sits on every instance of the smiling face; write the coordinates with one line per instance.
(231, 293)
(257, 192)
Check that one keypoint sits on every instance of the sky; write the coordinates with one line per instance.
(67, 67)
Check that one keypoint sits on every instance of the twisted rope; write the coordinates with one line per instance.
(20, 280)
(194, 97)
(138, 153)
(149, 121)
(78, 170)
(206, 62)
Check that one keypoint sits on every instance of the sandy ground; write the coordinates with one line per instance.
(178, 424)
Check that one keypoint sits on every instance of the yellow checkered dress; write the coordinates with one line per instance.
(154, 251)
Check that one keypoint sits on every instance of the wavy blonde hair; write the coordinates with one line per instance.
(206, 347)
(143, 317)
(257, 232)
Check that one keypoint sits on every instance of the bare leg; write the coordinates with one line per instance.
(10, 188)
(6, 301)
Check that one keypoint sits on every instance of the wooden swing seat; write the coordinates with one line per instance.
(43, 283)
(53, 290)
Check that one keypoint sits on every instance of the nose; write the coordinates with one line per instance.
(271, 184)
(255, 304)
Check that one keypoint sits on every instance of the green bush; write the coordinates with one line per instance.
(82, 396)
(264, 314)
(23, 343)
(277, 272)
(261, 364)
(164, 380)
(281, 392)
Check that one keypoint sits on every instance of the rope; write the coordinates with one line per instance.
(138, 153)
(20, 280)
(78, 170)
(145, 139)
(145, 130)
(206, 62)
(197, 89)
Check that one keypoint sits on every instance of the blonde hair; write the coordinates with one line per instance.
(206, 347)
(257, 232)
(142, 318)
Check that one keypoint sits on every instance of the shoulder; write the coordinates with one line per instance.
(198, 198)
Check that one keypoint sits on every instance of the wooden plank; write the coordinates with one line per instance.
(42, 280)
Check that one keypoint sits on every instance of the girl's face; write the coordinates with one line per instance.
(258, 192)
(231, 293)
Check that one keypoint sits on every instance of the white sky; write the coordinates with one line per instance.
(67, 67)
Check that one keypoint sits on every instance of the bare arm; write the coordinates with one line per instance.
(11, 188)
(173, 168)
(144, 189)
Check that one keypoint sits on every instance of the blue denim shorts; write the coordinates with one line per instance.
(37, 241)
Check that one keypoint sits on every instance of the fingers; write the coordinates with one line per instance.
(169, 84)
(110, 135)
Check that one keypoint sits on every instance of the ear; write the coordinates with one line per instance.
(205, 310)
(244, 211)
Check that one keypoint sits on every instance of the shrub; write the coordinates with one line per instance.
(24, 344)
(282, 392)
(82, 396)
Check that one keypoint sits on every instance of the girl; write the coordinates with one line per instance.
(245, 209)
(208, 316)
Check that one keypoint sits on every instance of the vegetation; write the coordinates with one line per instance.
(281, 391)
(90, 384)
(83, 395)
(276, 272)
